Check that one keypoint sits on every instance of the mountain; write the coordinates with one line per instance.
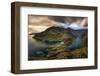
(78, 32)
(56, 35)
(61, 43)
(59, 33)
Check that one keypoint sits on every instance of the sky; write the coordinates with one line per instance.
(39, 23)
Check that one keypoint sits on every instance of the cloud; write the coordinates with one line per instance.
(41, 20)
(39, 23)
